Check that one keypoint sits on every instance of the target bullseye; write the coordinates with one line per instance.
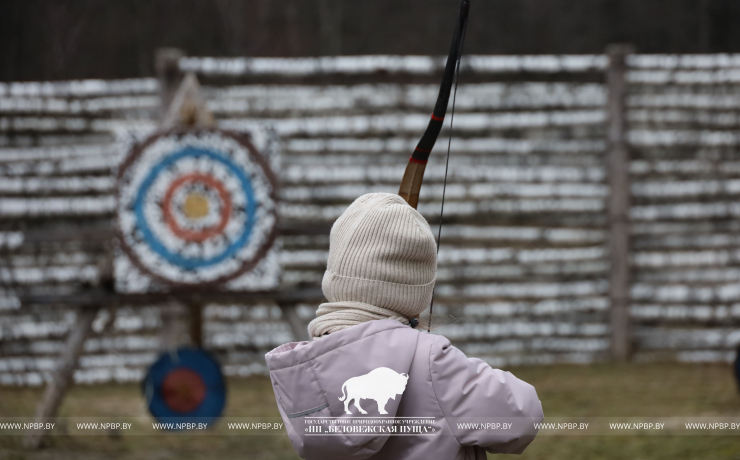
(196, 207)
(183, 390)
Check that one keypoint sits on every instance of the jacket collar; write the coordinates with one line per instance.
(294, 353)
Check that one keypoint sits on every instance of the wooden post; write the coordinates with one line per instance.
(297, 325)
(182, 105)
(196, 324)
(174, 330)
(187, 107)
(62, 375)
(617, 171)
(167, 66)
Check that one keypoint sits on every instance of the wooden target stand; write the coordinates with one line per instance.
(182, 311)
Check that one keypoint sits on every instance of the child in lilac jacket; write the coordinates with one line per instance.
(371, 385)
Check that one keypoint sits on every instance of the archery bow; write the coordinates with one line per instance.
(414, 174)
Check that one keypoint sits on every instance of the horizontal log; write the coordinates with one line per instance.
(665, 259)
(54, 152)
(94, 297)
(314, 126)
(414, 65)
(11, 240)
(464, 209)
(672, 275)
(546, 307)
(691, 168)
(685, 100)
(62, 185)
(453, 191)
(686, 293)
(552, 271)
(462, 145)
(73, 274)
(668, 138)
(316, 233)
(71, 125)
(680, 189)
(26, 363)
(523, 290)
(462, 173)
(651, 338)
(550, 235)
(102, 230)
(683, 61)
(689, 211)
(690, 119)
(79, 166)
(38, 330)
(94, 106)
(106, 185)
(459, 264)
(52, 207)
(560, 344)
(687, 242)
(295, 99)
(706, 356)
(23, 140)
(720, 76)
(685, 313)
(695, 356)
(80, 88)
(688, 228)
(476, 331)
(481, 159)
(391, 123)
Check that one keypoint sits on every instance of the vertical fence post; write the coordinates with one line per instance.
(167, 66)
(173, 314)
(618, 203)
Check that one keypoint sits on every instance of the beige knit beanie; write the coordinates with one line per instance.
(382, 264)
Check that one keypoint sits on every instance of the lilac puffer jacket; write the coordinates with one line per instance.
(338, 394)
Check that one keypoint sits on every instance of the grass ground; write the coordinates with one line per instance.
(603, 390)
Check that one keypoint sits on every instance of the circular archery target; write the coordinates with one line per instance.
(197, 207)
(185, 385)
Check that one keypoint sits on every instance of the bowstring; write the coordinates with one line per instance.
(447, 166)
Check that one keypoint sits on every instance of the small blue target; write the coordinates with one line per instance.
(185, 386)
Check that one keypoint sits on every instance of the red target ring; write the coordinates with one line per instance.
(183, 390)
(196, 235)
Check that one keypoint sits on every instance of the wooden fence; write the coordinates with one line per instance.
(591, 208)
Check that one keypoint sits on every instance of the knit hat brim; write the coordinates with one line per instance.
(406, 299)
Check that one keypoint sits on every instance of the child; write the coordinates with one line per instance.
(367, 363)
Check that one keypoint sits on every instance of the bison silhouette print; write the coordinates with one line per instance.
(380, 384)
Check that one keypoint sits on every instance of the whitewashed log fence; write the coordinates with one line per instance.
(592, 210)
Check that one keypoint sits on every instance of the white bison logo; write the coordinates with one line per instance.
(380, 384)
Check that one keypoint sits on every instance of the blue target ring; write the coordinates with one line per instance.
(158, 247)
(192, 361)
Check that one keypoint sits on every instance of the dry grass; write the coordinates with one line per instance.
(604, 390)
